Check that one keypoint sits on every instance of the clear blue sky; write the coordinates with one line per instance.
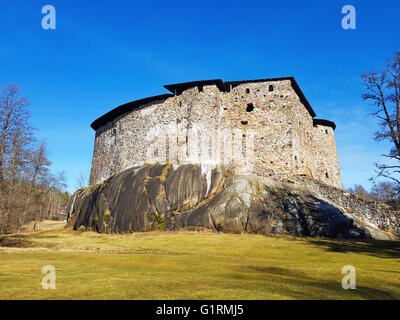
(106, 53)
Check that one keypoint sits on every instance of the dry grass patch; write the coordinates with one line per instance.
(190, 265)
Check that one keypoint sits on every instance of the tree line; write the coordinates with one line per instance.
(28, 190)
(384, 191)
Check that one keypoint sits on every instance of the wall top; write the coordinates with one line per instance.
(324, 122)
(178, 88)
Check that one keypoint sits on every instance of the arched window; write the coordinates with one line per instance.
(271, 88)
(247, 90)
(326, 175)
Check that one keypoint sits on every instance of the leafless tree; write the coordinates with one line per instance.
(385, 191)
(39, 164)
(82, 180)
(14, 118)
(360, 191)
(383, 90)
(18, 159)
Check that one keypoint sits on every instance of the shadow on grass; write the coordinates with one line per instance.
(376, 248)
(334, 288)
(298, 285)
(16, 242)
(276, 271)
(26, 241)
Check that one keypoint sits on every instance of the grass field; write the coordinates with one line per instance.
(162, 265)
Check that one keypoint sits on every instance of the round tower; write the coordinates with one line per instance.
(326, 163)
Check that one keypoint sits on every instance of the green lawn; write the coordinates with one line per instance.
(162, 265)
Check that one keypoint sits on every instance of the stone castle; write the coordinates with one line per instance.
(264, 127)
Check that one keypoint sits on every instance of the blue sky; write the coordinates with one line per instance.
(106, 53)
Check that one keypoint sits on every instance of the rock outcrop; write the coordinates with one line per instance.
(193, 197)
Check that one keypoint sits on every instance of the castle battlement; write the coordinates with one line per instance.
(265, 127)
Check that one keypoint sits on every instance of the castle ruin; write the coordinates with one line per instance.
(266, 126)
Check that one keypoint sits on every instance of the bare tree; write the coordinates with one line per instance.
(385, 191)
(19, 155)
(82, 180)
(383, 90)
(39, 163)
(14, 117)
(360, 191)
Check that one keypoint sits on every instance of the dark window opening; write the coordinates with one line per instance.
(200, 88)
(271, 88)
(114, 135)
(225, 108)
(326, 175)
(250, 107)
(247, 90)
(295, 157)
(245, 123)
(326, 131)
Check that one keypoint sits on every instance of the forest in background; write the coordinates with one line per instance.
(28, 190)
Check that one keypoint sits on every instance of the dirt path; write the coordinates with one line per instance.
(45, 225)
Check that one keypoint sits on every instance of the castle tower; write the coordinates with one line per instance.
(264, 127)
(326, 162)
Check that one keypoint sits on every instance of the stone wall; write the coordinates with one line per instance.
(259, 127)
(364, 211)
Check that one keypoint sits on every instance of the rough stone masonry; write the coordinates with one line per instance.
(264, 127)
